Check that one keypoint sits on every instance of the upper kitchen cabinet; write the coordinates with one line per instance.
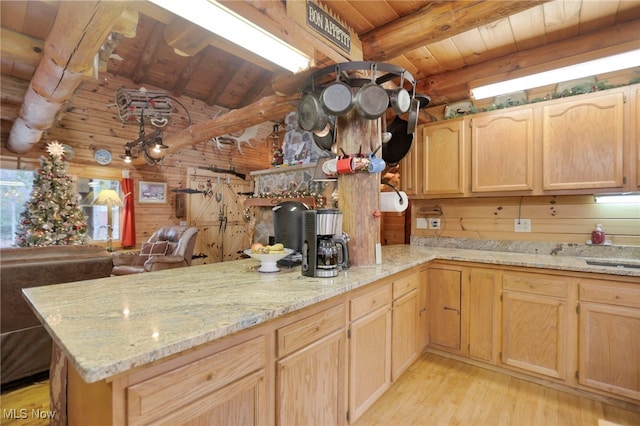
(438, 162)
(583, 142)
(502, 150)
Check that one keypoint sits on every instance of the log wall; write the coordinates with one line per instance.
(90, 121)
(563, 219)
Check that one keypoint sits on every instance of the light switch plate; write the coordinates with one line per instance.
(421, 223)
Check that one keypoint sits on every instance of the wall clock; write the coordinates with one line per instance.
(102, 156)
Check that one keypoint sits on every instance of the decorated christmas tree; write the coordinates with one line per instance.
(52, 216)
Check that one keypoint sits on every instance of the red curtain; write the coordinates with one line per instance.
(128, 234)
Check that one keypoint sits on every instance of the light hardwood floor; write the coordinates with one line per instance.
(435, 391)
(442, 391)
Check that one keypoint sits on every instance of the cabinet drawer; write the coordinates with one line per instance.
(610, 293)
(535, 284)
(404, 285)
(369, 302)
(301, 333)
(155, 397)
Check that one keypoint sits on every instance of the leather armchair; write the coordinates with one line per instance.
(169, 247)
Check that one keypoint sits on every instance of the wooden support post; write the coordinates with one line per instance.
(359, 193)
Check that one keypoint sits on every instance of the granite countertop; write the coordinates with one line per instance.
(107, 326)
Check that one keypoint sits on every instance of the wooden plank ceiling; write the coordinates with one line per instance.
(443, 44)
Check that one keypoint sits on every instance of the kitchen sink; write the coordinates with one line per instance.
(613, 262)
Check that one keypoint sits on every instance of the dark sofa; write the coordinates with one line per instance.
(25, 346)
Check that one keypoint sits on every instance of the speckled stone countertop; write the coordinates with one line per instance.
(110, 325)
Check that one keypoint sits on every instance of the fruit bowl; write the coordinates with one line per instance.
(268, 260)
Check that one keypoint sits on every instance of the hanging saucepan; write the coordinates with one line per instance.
(372, 100)
(413, 116)
(311, 116)
(337, 97)
(399, 98)
(400, 143)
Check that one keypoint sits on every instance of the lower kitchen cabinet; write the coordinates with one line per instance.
(484, 285)
(403, 320)
(422, 324)
(309, 384)
(445, 308)
(228, 387)
(369, 348)
(534, 323)
(311, 368)
(609, 337)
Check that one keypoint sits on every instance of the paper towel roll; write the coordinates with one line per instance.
(390, 202)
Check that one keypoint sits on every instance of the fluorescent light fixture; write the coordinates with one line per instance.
(618, 198)
(216, 18)
(585, 69)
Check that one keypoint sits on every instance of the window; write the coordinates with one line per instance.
(97, 215)
(15, 190)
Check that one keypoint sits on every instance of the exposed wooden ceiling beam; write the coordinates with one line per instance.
(436, 22)
(69, 54)
(269, 108)
(20, 48)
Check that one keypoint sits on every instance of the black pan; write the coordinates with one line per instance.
(400, 142)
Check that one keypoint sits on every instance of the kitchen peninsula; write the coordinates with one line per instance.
(223, 339)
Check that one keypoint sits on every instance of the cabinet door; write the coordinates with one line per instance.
(403, 333)
(502, 151)
(309, 384)
(483, 287)
(533, 333)
(422, 327)
(444, 308)
(609, 349)
(409, 170)
(443, 158)
(583, 142)
(369, 360)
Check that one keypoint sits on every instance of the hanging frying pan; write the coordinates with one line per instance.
(400, 142)
(311, 116)
(325, 138)
(399, 98)
(372, 100)
(337, 98)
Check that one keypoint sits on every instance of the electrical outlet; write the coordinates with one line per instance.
(434, 223)
(421, 223)
(522, 225)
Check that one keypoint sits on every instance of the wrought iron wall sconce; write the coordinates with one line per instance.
(149, 145)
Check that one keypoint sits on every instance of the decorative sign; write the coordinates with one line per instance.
(325, 24)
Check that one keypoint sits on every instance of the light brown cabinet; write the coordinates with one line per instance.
(580, 144)
(534, 323)
(583, 142)
(422, 326)
(369, 348)
(403, 320)
(608, 339)
(444, 155)
(311, 368)
(502, 150)
(227, 387)
(484, 285)
(445, 308)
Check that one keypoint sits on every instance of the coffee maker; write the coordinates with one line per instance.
(324, 245)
